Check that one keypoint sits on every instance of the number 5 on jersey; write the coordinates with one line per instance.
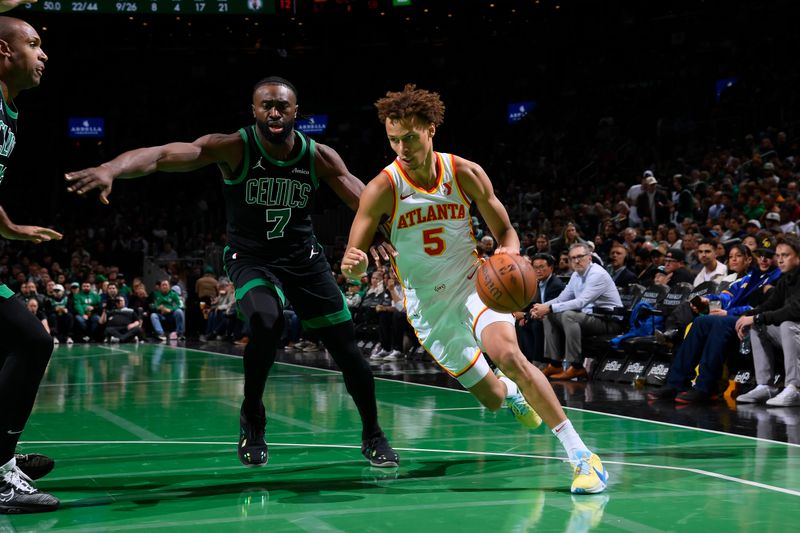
(280, 217)
(433, 244)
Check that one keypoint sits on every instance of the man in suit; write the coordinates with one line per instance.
(530, 331)
(617, 267)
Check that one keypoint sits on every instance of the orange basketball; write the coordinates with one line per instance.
(506, 283)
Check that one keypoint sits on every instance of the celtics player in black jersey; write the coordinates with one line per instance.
(270, 176)
(25, 346)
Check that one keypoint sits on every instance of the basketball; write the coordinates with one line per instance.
(505, 283)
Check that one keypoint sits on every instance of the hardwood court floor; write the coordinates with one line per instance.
(144, 438)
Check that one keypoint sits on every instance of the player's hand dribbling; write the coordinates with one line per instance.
(85, 180)
(354, 263)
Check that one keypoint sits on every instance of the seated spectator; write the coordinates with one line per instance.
(167, 306)
(689, 246)
(57, 310)
(33, 307)
(563, 269)
(675, 269)
(651, 261)
(486, 246)
(390, 322)
(353, 294)
(207, 286)
(568, 237)
(122, 323)
(28, 290)
(530, 331)
(376, 295)
(222, 314)
(776, 324)
(290, 336)
(711, 270)
(108, 299)
(618, 268)
(541, 245)
(740, 259)
(712, 336)
(569, 317)
(87, 308)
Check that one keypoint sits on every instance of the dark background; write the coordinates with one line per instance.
(621, 86)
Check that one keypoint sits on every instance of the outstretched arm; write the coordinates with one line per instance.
(376, 203)
(331, 169)
(9, 230)
(224, 150)
(476, 184)
(8, 5)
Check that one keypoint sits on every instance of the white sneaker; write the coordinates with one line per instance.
(380, 354)
(760, 394)
(162, 338)
(55, 341)
(114, 340)
(394, 355)
(788, 397)
(70, 341)
(136, 340)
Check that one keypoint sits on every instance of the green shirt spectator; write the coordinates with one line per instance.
(86, 301)
(167, 301)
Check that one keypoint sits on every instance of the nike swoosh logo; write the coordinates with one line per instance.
(602, 475)
(14, 432)
(406, 196)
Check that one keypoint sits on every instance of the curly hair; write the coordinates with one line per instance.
(411, 102)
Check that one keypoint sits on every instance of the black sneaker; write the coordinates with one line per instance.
(252, 446)
(695, 396)
(18, 496)
(379, 453)
(664, 393)
(34, 465)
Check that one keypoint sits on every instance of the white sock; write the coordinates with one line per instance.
(569, 438)
(511, 387)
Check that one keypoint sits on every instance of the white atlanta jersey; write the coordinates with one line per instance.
(431, 229)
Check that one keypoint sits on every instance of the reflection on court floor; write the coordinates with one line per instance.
(144, 439)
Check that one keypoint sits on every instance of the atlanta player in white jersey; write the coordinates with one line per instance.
(424, 197)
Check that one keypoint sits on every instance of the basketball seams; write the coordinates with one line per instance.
(506, 301)
(503, 286)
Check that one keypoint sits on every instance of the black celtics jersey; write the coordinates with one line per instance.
(269, 203)
(8, 134)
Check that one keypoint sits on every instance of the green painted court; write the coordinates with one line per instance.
(144, 438)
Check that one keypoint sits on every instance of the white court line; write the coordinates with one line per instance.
(125, 424)
(697, 471)
(565, 407)
(688, 428)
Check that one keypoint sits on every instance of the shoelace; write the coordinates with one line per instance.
(582, 467)
(17, 479)
(519, 405)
